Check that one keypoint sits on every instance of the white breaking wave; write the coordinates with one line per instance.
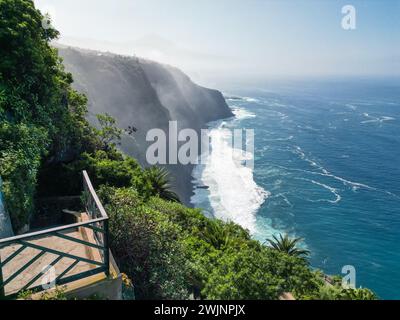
(351, 106)
(329, 188)
(280, 139)
(232, 192)
(372, 119)
(248, 99)
(282, 195)
(324, 172)
(241, 113)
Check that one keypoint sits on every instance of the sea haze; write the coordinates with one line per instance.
(326, 169)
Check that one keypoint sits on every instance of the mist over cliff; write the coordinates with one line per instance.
(146, 95)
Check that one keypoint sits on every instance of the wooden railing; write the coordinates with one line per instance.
(96, 226)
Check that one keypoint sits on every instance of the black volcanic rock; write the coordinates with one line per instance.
(144, 94)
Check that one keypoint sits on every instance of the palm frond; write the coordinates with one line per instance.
(160, 182)
(288, 245)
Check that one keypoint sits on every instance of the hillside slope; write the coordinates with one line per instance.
(146, 95)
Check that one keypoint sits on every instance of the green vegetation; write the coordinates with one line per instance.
(160, 184)
(109, 134)
(42, 120)
(337, 292)
(288, 245)
(173, 252)
(169, 251)
(21, 149)
(58, 293)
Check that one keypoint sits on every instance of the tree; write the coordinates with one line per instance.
(109, 133)
(160, 182)
(288, 245)
(34, 87)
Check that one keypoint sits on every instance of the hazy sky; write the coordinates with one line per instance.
(234, 38)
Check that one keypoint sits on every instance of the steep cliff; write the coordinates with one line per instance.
(146, 95)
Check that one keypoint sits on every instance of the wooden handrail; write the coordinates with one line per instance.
(103, 214)
(49, 231)
(94, 195)
(97, 215)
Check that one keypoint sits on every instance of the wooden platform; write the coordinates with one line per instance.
(43, 262)
(74, 254)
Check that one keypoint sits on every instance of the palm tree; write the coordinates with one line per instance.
(288, 245)
(160, 182)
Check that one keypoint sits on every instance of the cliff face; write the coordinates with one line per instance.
(146, 95)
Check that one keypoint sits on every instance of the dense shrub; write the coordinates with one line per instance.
(337, 292)
(145, 245)
(21, 149)
(113, 169)
(164, 245)
(245, 269)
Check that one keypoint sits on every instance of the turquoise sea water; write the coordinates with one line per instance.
(327, 169)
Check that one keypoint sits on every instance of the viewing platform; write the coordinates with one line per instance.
(75, 256)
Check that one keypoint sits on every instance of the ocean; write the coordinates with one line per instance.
(326, 169)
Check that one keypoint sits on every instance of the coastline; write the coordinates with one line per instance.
(192, 185)
(224, 187)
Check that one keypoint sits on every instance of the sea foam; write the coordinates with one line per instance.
(232, 193)
(241, 113)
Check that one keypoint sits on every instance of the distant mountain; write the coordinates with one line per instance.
(146, 95)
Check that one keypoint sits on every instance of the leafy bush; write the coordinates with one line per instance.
(144, 244)
(113, 169)
(337, 292)
(21, 149)
(245, 269)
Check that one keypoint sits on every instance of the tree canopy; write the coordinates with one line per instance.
(42, 119)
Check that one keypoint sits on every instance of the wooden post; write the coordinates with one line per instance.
(107, 249)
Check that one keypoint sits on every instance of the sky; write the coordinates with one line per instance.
(239, 38)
